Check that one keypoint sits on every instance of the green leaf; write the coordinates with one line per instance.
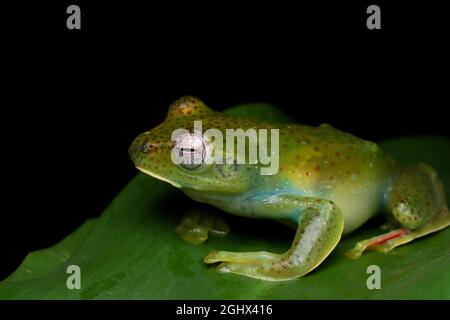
(132, 252)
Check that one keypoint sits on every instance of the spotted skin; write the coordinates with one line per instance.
(411, 201)
(328, 184)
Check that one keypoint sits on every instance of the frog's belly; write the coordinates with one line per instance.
(357, 205)
(357, 210)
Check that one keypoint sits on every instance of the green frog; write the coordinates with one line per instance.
(327, 183)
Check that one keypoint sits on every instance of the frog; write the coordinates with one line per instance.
(328, 184)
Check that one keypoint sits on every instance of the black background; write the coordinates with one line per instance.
(75, 99)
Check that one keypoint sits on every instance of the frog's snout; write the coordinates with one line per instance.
(137, 149)
(147, 150)
(132, 152)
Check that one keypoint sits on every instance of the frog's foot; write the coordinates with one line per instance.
(197, 224)
(261, 265)
(398, 236)
(388, 241)
(319, 230)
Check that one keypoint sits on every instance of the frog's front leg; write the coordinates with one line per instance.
(320, 226)
(199, 222)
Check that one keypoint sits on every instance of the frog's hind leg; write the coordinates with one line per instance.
(319, 229)
(417, 202)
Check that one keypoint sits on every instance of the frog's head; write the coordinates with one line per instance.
(153, 151)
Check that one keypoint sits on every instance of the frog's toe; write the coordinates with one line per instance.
(192, 237)
(239, 257)
(356, 252)
(248, 270)
(212, 257)
(219, 228)
(237, 268)
(264, 270)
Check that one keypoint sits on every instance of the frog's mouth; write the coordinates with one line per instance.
(154, 175)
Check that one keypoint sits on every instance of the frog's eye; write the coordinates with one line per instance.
(146, 147)
(190, 151)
